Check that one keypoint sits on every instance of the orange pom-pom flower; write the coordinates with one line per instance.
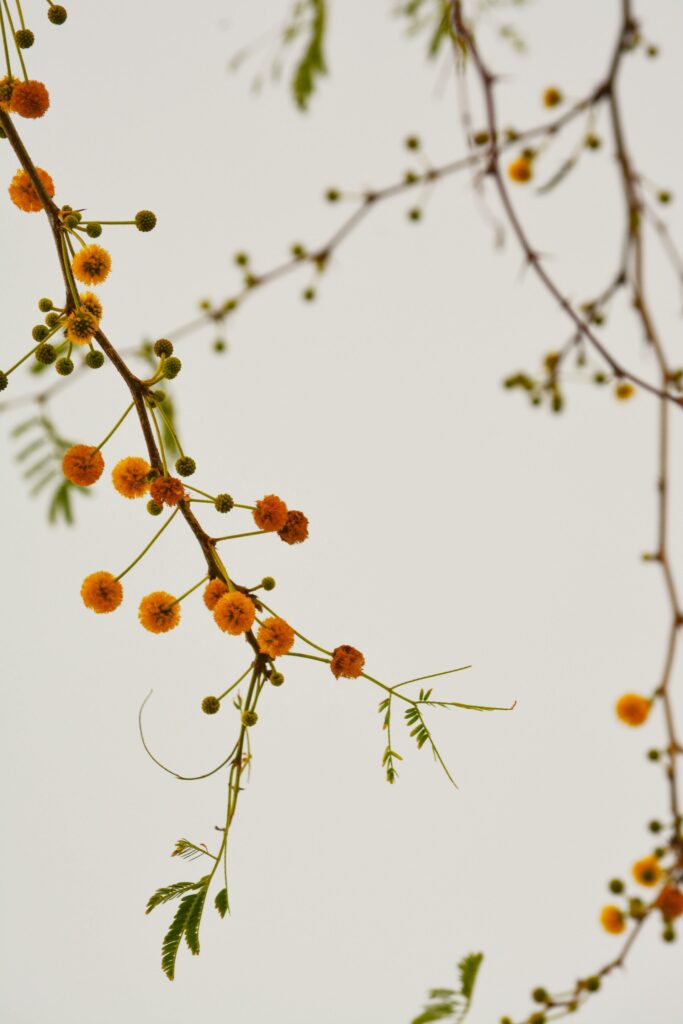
(29, 99)
(81, 325)
(158, 613)
(213, 591)
(520, 170)
(670, 902)
(275, 637)
(346, 662)
(270, 513)
(647, 871)
(92, 264)
(632, 709)
(129, 477)
(102, 592)
(23, 194)
(167, 490)
(612, 920)
(234, 613)
(83, 465)
(295, 530)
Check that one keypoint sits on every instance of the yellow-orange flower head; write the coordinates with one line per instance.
(520, 170)
(670, 902)
(167, 490)
(129, 477)
(234, 613)
(295, 530)
(29, 99)
(213, 592)
(275, 637)
(83, 465)
(623, 391)
(346, 662)
(632, 709)
(23, 194)
(647, 871)
(612, 920)
(81, 325)
(102, 592)
(270, 513)
(158, 613)
(92, 264)
(90, 302)
(7, 85)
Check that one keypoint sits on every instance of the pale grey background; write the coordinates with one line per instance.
(450, 524)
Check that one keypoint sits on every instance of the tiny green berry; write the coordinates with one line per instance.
(277, 678)
(154, 509)
(93, 230)
(268, 583)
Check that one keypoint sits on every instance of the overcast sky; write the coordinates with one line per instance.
(450, 524)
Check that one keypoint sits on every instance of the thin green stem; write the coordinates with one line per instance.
(235, 536)
(309, 657)
(115, 427)
(68, 273)
(196, 490)
(188, 592)
(14, 36)
(235, 684)
(21, 14)
(4, 43)
(22, 360)
(148, 546)
(160, 440)
(310, 643)
(170, 429)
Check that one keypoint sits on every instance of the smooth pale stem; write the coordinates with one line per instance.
(160, 440)
(309, 657)
(4, 43)
(21, 15)
(434, 675)
(115, 427)
(188, 592)
(108, 222)
(22, 360)
(171, 430)
(231, 688)
(196, 490)
(249, 508)
(235, 536)
(14, 36)
(148, 546)
(389, 689)
(223, 570)
(69, 274)
(300, 635)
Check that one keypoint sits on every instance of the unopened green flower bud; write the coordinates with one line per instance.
(172, 368)
(268, 583)
(185, 466)
(46, 353)
(145, 220)
(223, 503)
(94, 360)
(249, 718)
(64, 367)
(210, 705)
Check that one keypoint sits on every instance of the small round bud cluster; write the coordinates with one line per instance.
(268, 583)
(540, 995)
(52, 319)
(4, 381)
(94, 360)
(223, 503)
(145, 220)
(333, 195)
(39, 332)
(277, 678)
(412, 142)
(210, 705)
(72, 221)
(163, 347)
(308, 294)
(172, 368)
(64, 367)
(592, 984)
(93, 230)
(653, 755)
(219, 345)
(415, 214)
(45, 305)
(46, 354)
(241, 259)
(249, 718)
(56, 14)
(480, 138)
(25, 38)
(664, 197)
(616, 886)
(185, 466)
(154, 508)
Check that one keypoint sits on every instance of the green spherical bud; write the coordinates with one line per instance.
(4, 381)
(72, 220)
(45, 305)
(415, 213)
(539, 995)
(223, 503)
(94, 360)
(25, 38)
(3, 133)
(593, 141)
(219, 345)
(172, 367)
(659, 852)
(333, 195)
(158, 396)
(163, 347)
(210, 705)
(64, 367)
(669, 934)
(599, 378)
(46, 354)
(480, 138)
(506, 1020)
(537, 1018)
(653, 755)
(616, 886)
(185, 466)
(145, 220)
(268, 583)
(297, 250)
(308, 294)
(412, 142)
(241, 259)
(664, 197)
(39, 332)
(249, 718)
(93, 230)
(57, 14)
(277, 678)
(655, 826)
(636, 908)
(52, 319)
(592, 984)
(154, 509)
